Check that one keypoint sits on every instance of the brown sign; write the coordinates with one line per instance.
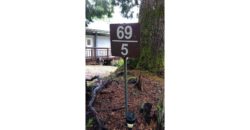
(125, 39)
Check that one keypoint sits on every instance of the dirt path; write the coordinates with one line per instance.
(102, 71)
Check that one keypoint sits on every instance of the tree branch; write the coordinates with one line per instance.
(100, 85)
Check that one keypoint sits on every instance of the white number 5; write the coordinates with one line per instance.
(124, 49)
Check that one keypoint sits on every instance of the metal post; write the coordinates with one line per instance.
(126, 85)
(107, 52)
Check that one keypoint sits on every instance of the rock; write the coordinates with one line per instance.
(146, 110)
(132, 81)
(120, 74)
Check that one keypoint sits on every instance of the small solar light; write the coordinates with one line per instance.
(130, 120)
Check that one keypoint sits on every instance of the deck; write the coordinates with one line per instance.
(95, 54)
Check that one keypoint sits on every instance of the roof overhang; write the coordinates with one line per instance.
(97, 31)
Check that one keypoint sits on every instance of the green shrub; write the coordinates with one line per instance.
(119, 63)
(90, 123)
(160, 115)
(132, 63)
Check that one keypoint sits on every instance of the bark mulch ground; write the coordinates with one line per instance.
(109, 103)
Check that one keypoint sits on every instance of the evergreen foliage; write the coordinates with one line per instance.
(98, 9)
(104, 8)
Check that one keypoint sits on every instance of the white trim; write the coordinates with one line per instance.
(125, 41)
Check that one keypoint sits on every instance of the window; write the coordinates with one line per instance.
(89, 42)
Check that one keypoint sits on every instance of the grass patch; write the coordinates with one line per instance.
(90, 123)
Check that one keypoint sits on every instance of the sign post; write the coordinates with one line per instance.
(126, 85)
(125, 39)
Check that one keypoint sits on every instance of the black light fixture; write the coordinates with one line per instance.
(130, 120)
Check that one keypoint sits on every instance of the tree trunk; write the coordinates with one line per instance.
(151, 19)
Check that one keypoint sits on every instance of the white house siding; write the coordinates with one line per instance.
(103, 41)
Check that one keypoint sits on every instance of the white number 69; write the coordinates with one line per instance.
(121, 30)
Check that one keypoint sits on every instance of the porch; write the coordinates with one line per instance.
(95, 55)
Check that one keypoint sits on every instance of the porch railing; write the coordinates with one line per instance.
(96, 52)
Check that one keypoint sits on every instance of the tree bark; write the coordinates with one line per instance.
(151, 19)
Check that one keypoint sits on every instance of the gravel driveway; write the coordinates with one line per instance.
(102, 71)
